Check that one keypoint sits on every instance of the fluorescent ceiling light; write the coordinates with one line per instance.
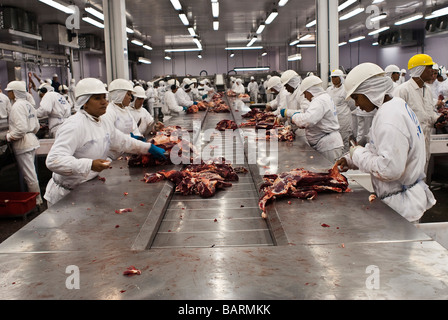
(294, 42)
(375, 43)
(232, 54)
(377, 1)
(271, 16)
(199, 55)
(183, 50)
(252, 41)
(346, 4)
(198, 43)
(379, 17)
(311, 23)
(183, 18)
(295, 57)
(144, 60)
(251, 68)
(357, 39)
(137, 42)
(409, 19)
(306, 45)
(281, 3)
(176, 4)
(95, 13)
(93, 22)
(303, 38)
(243, 48)
(343, 43)
(378, 31)
(351, 13)
(58, 6)
(191, 31)
(215, 9)
(167, 57)
(129, 30)
(215, 25)
(264, 53)
(147, 47)
(261, 28)
(438, 13)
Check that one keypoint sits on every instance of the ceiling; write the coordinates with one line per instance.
(158, 23)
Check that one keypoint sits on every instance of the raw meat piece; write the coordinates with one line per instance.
(300, 183)
(192, 109)
(131, 271)
(226, 124)
(119, 211)
(231, 93)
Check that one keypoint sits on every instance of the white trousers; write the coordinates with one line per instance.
(25, 162)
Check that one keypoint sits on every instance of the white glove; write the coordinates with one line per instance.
(352, 150)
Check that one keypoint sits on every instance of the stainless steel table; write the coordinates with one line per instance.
(168, 237)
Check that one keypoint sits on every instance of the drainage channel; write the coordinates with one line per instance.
(230, 218)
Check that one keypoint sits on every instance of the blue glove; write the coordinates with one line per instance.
(185, 108)
(195, 102)
(283, 112)
(204, 96)
(157, 152)
(138, 137)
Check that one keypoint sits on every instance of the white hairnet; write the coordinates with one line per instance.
(316, 90)
(417, 71)
(376, 88)
(277, 87)
(295, 81)
(82, 100)
(117, 96)
(19, 94)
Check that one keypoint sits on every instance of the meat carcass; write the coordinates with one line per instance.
(300, 183)
(226, 124)
(203, 179)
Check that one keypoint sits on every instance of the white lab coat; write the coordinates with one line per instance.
(122, 119)
(421, 102)
(151, 95)
(280, 101)
(182, 98)
(5, 106)
(143, 119)
(239, 88)
(344, 113)
(252, 88)
(23, 126)
(395, 159)
(54, 106)
(79, 141)
(321, 126)
(171, 105)
(363, 123)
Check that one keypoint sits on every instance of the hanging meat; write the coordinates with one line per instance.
(202, 179)
(226, 124)
(300, 183)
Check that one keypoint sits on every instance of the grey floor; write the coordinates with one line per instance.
(10, 183)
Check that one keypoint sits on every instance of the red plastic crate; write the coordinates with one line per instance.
(17, 203)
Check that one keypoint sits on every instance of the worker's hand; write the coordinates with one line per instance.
(195, 102)
(138, 137)
(185, 108)
(204, 96)
(99, 165)
(283, 112)
(157, 152)
(268, 108)
(159, 126)
(342, 164)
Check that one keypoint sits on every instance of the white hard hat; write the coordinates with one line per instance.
(89, 86)
(435, 66)
(187, 81)
(359, 74)
(252, 78)
(337, 73)
(16, 85)
(273, 81)
(288, 75)
(173, 82)
(139, 92)
(63, 87)
(392, 68)
(55, 75)
(403, 70)
(121, 84)
(47, 88)
(309, 82)
(194, 80)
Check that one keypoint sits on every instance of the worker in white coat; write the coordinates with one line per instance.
(276, 87)
(337, 93)
(118, 114)
(269, 95)
(395, 155)
(54, 106)
(252, 88)
(403, 76)
(194, 93)
(23, 126)
(182, 97)
(419, 97)
(142, 117)
(5, 105)
(172, 107)
(71, 93)
(161, 93)
(320, 120)
(239, 88)
(394, 73)
(83, 141)
(151, 95)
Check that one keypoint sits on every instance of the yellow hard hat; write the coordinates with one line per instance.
(420, 60)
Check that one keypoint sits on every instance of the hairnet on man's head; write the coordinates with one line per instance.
(376, 88)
